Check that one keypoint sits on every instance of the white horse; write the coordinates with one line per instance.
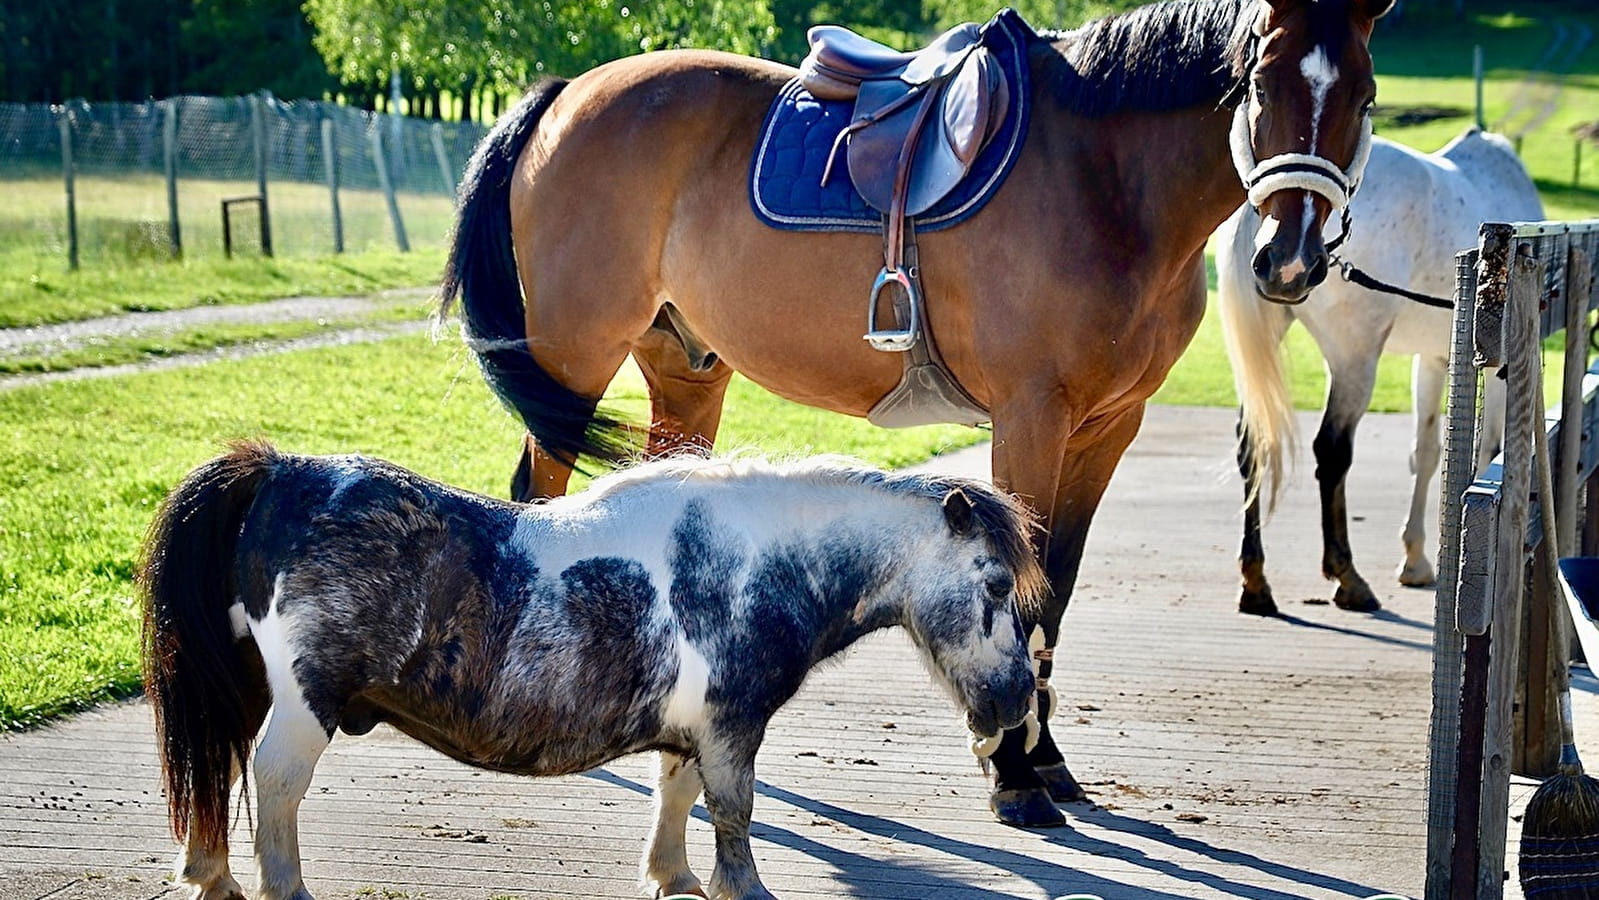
(1413, 214)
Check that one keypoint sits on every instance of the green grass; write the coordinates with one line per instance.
(84, 464)
(43, 296)
(1426, 61)
(123, 218)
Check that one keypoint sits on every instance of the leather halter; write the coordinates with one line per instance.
(1291, 171)
(1295, 171)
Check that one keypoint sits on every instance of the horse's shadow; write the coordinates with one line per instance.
(887, 878)
(1380, 615)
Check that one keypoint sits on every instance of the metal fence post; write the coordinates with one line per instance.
(68, 175)
(169, 148)
(258, 121)
(376, 136)
(1448, 657)
(437, 134)
(330, 163)
(1476, 75)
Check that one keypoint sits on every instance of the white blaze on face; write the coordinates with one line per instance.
(1320, 75)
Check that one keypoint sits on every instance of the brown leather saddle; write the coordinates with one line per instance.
(919, 122)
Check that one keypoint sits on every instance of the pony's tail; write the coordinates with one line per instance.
(206, 685)
(481, 273)
(1266, 415)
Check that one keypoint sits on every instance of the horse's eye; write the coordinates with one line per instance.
(1000, 586)
(1365, 108)
(1260, 94)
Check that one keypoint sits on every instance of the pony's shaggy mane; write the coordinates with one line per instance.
(1164, 56)
(1004, 520)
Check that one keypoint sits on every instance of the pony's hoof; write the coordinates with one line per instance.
(1257, 603)
(1026, 808)
(1062, 787)
(685, 885)
(227, 889)
(1358, 598)
(1417, 574)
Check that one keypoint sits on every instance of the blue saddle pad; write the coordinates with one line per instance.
(786, 189)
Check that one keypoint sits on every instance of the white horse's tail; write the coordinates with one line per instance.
(1254, 347)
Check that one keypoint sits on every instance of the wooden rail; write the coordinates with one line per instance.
(1501, 635)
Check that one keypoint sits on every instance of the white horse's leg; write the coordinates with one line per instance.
(1351, 377)
(284, 761)
(1492, 438)
(205, 867)
(666, 868)
(1426, 390)
(729, 776)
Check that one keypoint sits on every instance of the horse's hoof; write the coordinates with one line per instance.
(1062, 787)
(1026, 808)
(1417, 574)
(1356, 599)
(1257, 603)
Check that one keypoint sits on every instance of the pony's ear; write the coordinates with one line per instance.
(958, 512)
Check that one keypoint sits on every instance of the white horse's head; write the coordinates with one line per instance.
(967, 595)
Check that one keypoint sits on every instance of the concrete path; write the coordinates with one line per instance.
(1227, 756)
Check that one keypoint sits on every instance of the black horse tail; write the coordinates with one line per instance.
(207, 687)
(481, 273)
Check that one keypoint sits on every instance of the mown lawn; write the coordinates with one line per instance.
(1424, 69)
(84, 464)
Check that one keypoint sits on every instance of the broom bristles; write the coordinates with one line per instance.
(1560, 838)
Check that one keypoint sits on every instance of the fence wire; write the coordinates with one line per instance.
(119, 156)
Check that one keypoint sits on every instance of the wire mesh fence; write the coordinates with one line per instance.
(109, 182)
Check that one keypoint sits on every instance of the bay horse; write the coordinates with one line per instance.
(1416, 212)
(674, 607)
(609, 216)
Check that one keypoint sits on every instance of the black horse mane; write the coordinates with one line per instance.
(1164, 56)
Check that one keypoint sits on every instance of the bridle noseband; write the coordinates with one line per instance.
(1295, 171)
(1291, 171)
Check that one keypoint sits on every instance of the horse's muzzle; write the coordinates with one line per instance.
(1285, 274)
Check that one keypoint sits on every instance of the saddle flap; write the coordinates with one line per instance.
(945, 54)
(968, 107)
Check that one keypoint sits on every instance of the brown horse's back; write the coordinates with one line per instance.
(634, 191)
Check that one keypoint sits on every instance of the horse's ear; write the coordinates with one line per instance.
(1374, 9)
(958, 512)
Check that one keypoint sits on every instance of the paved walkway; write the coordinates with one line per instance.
(1227, 756)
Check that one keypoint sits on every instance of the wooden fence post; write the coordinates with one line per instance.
(376, 136)
(169, 152)
(330, 164)
(69, 176)
(1510, 569)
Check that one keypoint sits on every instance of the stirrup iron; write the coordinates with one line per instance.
(892, 340)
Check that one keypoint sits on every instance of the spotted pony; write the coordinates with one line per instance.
(672, 607)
